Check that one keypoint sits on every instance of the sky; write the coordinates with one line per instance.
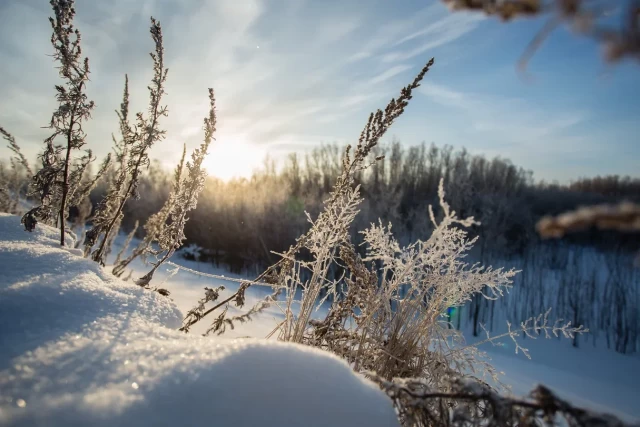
(290, 75)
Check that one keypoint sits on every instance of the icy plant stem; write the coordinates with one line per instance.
(65, 181)
(311, 295)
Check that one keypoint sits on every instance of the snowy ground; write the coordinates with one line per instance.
(79, 347)
(590, 377)
(602, 380)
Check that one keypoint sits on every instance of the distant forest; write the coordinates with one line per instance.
(238, 223)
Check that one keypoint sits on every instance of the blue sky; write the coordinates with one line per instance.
(291, 74)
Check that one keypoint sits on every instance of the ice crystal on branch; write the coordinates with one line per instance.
(186, 196)
(12, 185)
(136, 143)
(74, 106)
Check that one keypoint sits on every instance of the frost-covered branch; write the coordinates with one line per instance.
(15, 148)
(138, 142)
(45, 186)
(114, 195)
(156, 225)
(533, 328)
(330, 228)
(74, 107)
(12, 184)
(186, 198)
(220, 324)
(396, 307)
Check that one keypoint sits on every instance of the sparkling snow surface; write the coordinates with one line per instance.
(80, 347)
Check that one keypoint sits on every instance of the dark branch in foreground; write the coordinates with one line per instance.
(469, 402)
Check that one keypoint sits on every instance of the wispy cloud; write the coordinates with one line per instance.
(437, 34)
(508, 117)
(431, 27)
(278, 69)
(391, 72)
(285, 72)
(541, 137)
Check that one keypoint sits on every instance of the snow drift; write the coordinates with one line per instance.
(80, 347)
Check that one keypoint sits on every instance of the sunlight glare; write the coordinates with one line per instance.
(231, 156)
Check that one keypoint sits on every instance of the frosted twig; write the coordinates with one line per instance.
(216, 276)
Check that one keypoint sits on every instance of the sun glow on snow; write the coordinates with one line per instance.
(233, 157)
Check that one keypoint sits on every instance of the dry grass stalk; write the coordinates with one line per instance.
(186, 198)
(12, 183)
(140, 139)
(328, 230)
(74, 108)
(389, 319)
(118, 184)
(156, 224)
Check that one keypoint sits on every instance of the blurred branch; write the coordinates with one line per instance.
(624, 217)
(468, 402)
(583, 17)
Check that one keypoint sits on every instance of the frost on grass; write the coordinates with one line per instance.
(80, 347)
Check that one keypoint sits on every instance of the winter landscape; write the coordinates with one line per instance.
(198, 258)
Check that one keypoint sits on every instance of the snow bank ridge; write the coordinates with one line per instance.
(80, 347)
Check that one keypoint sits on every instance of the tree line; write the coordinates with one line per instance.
(239, 222)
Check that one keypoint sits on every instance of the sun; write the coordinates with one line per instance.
(233, 157)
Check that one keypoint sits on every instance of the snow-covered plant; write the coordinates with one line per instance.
(12, 182)
(74, 108)
(117, 183)
(387, 317)
(127, 242)
(387, 311)
(137, 140)
(327, 232)
(186, 198)
(62, 181)
(199, 310)
(82, 181)
(156, 224)
(45, 187)
(401, 314)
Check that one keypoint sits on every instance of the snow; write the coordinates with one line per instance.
(80, 347)
(594, 378)
(106, 352)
